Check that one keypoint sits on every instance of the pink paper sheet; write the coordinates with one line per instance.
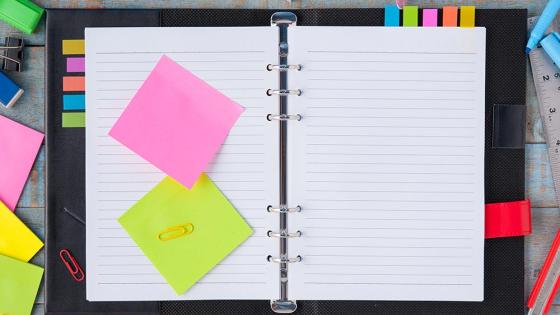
(176, 121)
(19, 146)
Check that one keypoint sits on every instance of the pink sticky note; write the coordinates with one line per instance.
(176, 121)
(19, 146)
(429, 17)
(76, 64)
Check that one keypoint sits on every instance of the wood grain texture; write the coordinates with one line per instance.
(29, 110)
(33, 195)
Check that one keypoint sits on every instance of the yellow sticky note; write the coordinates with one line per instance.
(467, 16)
(73, 47)
(185, 232)
(16, 239)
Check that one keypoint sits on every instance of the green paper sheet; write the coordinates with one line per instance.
(218, 229)
(19, 283)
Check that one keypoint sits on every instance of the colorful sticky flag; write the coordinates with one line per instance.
(185, 233)
(467, 16)
(19, 283)
(16, 239)
(76, 64)
(73, 120)
(74, 102)
(410, 15)
(73, 47)
(176, 121)
(74, 84)
(392, 15)
(429, 17)
(19, 146)
(450, 16)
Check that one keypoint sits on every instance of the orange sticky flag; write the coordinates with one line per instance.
(73, 84)
(450, 16)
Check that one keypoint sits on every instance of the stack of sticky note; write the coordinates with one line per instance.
(19, 280)
(185, 225)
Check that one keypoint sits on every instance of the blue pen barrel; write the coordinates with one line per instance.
(551, 45)
(547, 16)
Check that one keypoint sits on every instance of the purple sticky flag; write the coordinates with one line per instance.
(76, 64)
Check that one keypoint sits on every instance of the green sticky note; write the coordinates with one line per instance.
(74, 120)
(410, 15)
(208, 226)
(19, 283)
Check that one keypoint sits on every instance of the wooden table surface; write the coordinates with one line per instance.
(30, 111)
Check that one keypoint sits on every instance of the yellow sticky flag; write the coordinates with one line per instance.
(73, 47)
(467, 16)
(16, 239)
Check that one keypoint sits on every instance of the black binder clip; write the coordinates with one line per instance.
(11, 54)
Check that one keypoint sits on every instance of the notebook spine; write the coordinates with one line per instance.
(283, 20)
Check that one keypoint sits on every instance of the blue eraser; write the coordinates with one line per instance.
(9, 91)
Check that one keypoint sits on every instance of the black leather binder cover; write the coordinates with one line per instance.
(504, 180)
(504, 173)
(66, 167)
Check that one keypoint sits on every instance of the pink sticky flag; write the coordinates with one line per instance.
(176, 121)
(429, 17)
(76, 64)
(19, 146)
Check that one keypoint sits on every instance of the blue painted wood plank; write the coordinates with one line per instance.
(538, 177)
(34, 218)
(33, 195)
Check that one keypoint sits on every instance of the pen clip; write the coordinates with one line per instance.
(175, 231)
(72, 265)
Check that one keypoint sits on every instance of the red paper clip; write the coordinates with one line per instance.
(72, 265)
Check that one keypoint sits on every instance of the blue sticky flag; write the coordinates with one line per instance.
(392, 15)
(74, 102)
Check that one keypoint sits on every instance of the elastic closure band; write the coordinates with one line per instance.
(508, 219)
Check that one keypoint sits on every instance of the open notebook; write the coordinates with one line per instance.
(387, 161)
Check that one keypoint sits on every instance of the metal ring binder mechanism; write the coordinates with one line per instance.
(283, 20)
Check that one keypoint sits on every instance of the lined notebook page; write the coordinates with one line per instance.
(388, 163)
(233, 61)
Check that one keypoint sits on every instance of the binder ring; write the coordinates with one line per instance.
(283, 92)
(283, 234)
(271, 117)
(271, 67)
(284, 260)
(283, 209)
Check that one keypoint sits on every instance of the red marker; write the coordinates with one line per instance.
(547, 283)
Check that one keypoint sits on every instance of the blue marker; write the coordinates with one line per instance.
(544, 21)
(9, 91)
(551, 45)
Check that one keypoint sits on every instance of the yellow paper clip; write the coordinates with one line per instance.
(175, 231)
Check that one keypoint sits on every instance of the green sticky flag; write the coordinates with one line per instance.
(74, 120)
(185, 233)
(410, 15)
(19, 283)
